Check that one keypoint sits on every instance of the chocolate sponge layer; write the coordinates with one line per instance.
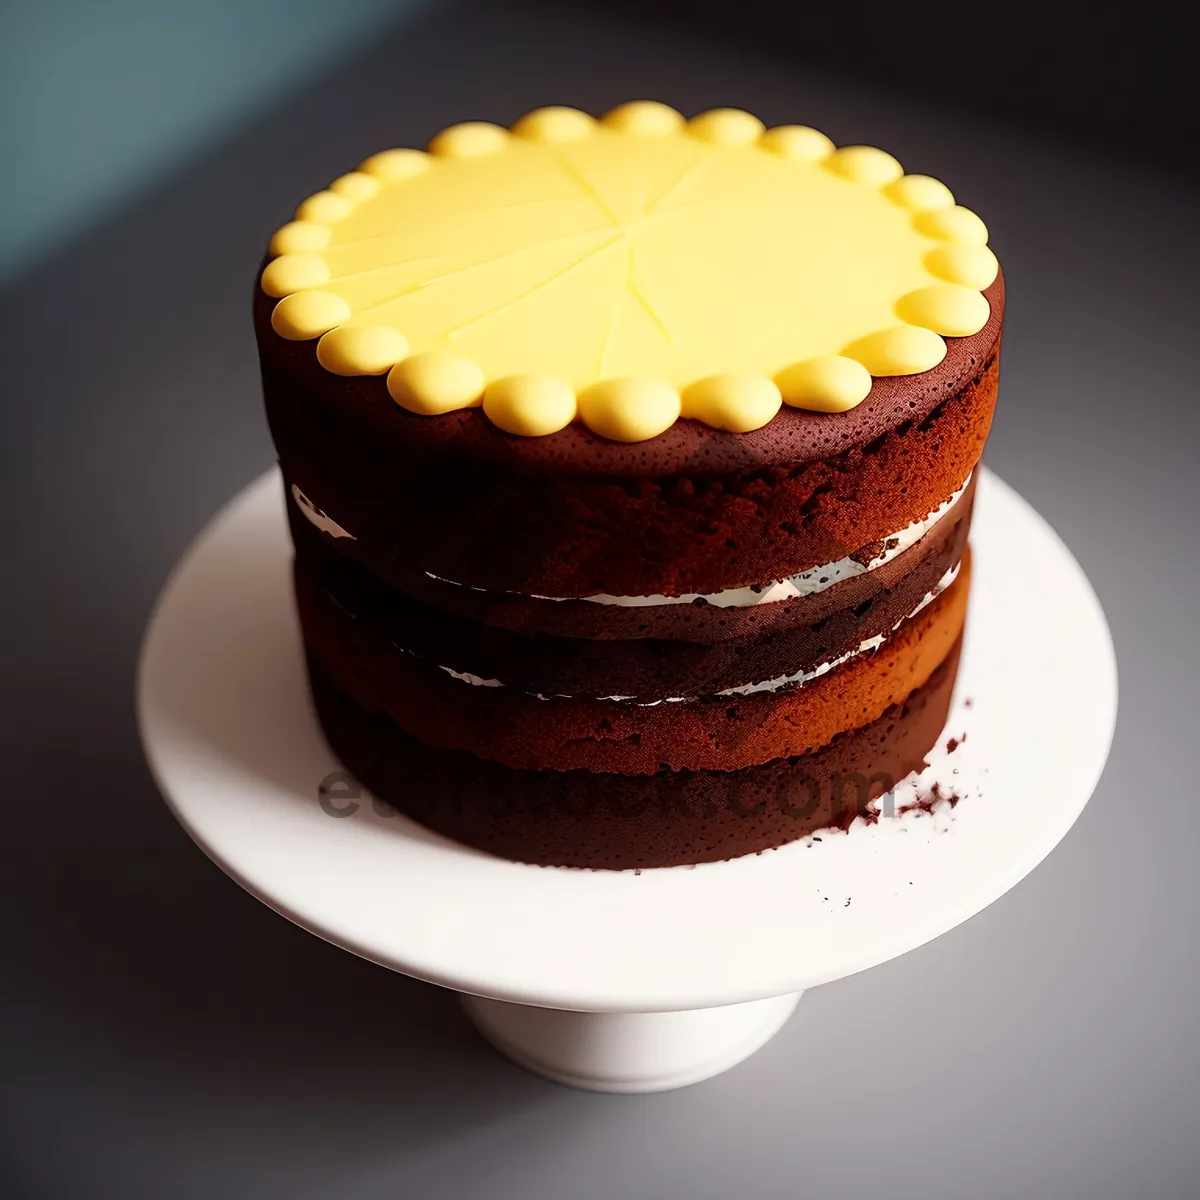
(604, 820)
(574, 620)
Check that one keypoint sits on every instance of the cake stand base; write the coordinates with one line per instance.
(624, 981)
(629, 1052)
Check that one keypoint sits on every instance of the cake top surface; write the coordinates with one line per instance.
(627, 272)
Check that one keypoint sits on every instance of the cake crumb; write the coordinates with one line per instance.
(928, 800)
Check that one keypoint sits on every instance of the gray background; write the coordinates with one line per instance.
(102, 96)
(167, 1036)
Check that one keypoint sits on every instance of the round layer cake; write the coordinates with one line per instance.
(629, 466)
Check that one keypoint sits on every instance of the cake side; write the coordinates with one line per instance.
(630, 466)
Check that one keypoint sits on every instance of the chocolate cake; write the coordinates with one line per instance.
(629, 466)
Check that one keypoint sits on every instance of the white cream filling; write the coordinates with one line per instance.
(323, 522)
(798, 679)
(473, 680)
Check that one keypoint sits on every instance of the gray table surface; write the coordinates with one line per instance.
(167, 1036)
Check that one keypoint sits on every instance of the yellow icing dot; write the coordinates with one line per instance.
(739, 403)
(797, 142)
(920, 193)
(294, 273)
(355, 186)
(962, 262)
(902, 350)
(389, 166)
(865, 164)
(947, 308)
(955, 224)
(361, 349)
(435, 382)
(325, 207)
(726, 127)
(555, 124)
(305, 315)
(471, 139)
(830, 383)
(645, 117)
(529, 405)
(298, 237)
(629, 410)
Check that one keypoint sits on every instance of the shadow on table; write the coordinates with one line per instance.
(138, 945)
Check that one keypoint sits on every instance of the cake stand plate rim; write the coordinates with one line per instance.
(233, 746)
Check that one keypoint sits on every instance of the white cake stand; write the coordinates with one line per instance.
(622, 981)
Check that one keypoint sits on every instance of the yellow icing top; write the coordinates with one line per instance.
(629, 271)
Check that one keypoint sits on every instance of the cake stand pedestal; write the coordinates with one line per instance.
(618, 980)
(629, 1052)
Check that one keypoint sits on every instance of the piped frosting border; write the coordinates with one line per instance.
(631, 408)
